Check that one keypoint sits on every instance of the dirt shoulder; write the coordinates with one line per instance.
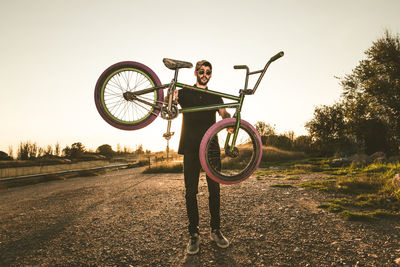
(126, 218)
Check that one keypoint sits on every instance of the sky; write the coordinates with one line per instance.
(53, 51)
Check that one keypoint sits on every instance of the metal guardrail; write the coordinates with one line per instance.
(122, 165)
(151, 161)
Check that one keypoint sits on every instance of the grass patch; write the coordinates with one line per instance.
(375, 179)
(337, 206)
(293, 178)
(296, 171)
(325, 185)
(282, 186)
(165, 168)
(368, 216)
(265, 172)
(359, 184)
(369, 191)
(343, 202)
(261, 174)
(331, 207)
(296, 166)
(364, 192)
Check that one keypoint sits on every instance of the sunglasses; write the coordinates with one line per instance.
(201, 72)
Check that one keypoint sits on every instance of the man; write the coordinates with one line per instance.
(194, 126)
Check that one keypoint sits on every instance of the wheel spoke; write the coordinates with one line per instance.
(117, 107)
(142, 81)
(117, 83)
(232, 166)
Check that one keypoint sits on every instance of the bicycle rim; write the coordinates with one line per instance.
(232, 167)
(116, 107)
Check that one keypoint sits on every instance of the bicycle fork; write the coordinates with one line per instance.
(230, 147)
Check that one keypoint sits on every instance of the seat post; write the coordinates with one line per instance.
(176, 74)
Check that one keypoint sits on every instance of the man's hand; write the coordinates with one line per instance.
(225, 114)
(174, 98)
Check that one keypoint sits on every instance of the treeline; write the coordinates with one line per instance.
(286, 141)
(366, 119)
(31, 151)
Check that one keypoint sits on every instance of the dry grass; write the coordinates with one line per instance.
(166, 167)
(273, 154)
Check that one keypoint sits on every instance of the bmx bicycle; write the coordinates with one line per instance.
(129, 96)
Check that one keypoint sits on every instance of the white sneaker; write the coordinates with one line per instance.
(193, 246)
(219, 238)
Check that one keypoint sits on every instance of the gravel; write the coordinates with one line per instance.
(125, 218)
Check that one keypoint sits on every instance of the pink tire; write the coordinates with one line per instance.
(114, 108)
(219, 163)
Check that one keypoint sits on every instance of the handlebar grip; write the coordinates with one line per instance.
(280, 54)
(236, 67)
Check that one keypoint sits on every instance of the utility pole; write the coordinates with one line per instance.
(167, 150)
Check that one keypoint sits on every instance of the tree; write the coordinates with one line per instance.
(49, 150)
(367, 118)
(127, 150)
(139, 150)
(57, 149)
(27, 151)
(290, 135)
(75, 151)
(264, 129)
(11, 152)
(4, 156)
(328, 130)
(303, 143)
(105, 150)
(372, 96)
(119, 149)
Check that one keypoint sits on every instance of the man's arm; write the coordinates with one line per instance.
(223, 113)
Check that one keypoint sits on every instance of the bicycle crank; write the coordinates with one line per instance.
(169, 114)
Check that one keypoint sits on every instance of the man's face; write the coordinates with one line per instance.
(203, 75)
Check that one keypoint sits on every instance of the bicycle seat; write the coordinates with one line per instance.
(176, 64)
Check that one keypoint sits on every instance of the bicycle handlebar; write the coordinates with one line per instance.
(252, 91)
(236, 67)
(279, 55)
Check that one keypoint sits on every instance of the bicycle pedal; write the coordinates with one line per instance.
(168, 135)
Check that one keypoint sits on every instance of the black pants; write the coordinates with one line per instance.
(191, 165)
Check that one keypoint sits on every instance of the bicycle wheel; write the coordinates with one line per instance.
(226, 167)
(112, 103)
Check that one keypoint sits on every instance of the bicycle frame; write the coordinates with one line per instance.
(174, 84)
(238, 100)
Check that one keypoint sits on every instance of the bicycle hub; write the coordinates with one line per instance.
(129, 96)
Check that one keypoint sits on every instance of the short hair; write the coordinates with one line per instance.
(203, 63)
